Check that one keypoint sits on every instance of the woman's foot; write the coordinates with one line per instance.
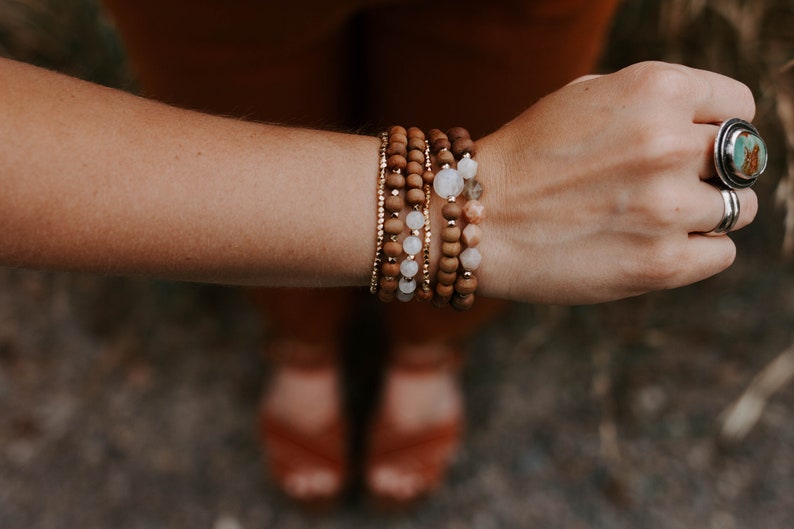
(302, 425)
(418, 427)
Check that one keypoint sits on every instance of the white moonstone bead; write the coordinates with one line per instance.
(407, 286)
(470, 259)
(467, 168)
(415, 220)
(412, 245)
(403, 296)
(448, 183)
(409, 267)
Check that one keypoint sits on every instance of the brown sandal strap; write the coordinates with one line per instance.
(301, 355)
(427, 358)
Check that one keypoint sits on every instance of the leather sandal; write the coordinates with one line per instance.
(310, 467)
(416, 459)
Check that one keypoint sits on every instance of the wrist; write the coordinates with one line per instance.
(492, 275)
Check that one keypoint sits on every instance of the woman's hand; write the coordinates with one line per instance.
(597, 192)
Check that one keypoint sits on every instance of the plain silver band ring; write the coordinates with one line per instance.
(730, 214)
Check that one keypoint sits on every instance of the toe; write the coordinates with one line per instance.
(398, 483)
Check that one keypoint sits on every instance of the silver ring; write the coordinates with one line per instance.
(740, 154)
(730, 214)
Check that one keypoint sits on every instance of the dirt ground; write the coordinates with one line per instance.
(130, 403)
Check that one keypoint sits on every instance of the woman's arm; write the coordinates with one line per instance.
(595, 193)
(95, 179)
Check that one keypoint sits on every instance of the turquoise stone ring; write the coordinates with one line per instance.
(740, 154)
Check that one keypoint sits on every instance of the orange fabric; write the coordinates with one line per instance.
(354, 63)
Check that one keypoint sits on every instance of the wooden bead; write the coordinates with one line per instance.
(445, 290)
(415, 197)
(456, 133)
(394, 204)
(450, 249)
(398, 138)
(396, 149)
(385, 297)
(396, 129)
(439, 143)
(441, 301)
(396, 162)
(392, 249)
(450, 234)
(462, 303)
(394, 226)
(448, 264)
(415, 168)
(416, 132)
(423, 295)
(414, 180)
(434, 134)
(451, 211)
(388, 284)
(395, 181)
(466, 285)
(416, 143)
(416, 156)
(461, 146)
(428, 177)
(445, 158)
(390, 269)
(446, 278)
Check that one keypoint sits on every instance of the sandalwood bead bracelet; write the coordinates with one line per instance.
(415, 220)
(394, 203)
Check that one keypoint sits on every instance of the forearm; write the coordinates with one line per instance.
(98, 180)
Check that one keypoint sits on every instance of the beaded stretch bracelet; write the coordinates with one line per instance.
(379, 234)
(415, 219)
(473, 213)
(396, 163)
(426, 292)
(447, 184)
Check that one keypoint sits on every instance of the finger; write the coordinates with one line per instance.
(705, 257)
(684, 262)
(703, 137)
(717, 98)
(706, 97)
(707, 208)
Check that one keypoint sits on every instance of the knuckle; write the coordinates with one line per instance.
(659, 265)
(660, 79)
(657, 208)
(662, 146)
(745, 102)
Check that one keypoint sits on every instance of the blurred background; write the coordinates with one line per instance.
(130, 403)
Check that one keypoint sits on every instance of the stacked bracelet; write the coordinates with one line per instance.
(379, 238)
(415, 220)
(426, 292)
(406, 163)
(447, 184)
(396, 152)
(473, 213)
